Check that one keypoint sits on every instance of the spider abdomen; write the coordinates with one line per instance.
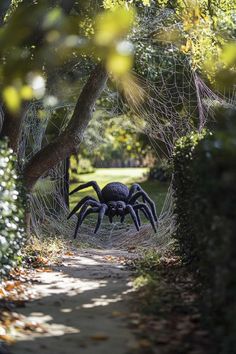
(115, 191)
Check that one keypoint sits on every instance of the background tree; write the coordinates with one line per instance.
(47, 41)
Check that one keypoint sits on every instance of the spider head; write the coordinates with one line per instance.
(116, 207)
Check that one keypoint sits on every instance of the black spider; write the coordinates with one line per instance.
(115, 199)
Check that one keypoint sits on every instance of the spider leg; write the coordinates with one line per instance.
(76, 228)
(81, 202)
(89, 211)
(133, 189)
(138, 217)
(148, 199)
(101, 214)
(110, 218)
(144, 212)
(122, 218)
(131, 211)
(82, 217)
(83, 211)
(89, 184)
(143, 207)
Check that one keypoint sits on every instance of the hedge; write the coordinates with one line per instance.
(12, 209)
(205, 205)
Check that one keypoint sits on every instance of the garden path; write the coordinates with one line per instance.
(81, 306)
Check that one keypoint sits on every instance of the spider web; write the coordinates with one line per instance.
(1, 118)
(166, 108)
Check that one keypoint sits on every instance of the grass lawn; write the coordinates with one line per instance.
(155, 189)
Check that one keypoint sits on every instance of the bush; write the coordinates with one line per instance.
(162, 172)
(85, 166)
(185, 185)
(12, 206)
(82, 166)
(205, 199)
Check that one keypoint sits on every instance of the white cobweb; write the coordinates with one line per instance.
(177, 102)
(1, 118)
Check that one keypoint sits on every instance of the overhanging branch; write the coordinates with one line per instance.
(4, 6)
(67, 142)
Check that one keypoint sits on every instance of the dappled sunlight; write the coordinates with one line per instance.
(101, 302)
(84, 287)
(47, 327)
(59, 283)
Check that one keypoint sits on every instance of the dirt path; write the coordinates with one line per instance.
(82, 306)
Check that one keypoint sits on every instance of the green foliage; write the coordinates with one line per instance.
(205, 199)
(148, 281)
(202, 30)
(162, 172)
(12, 207)
(148, 262)
(79, 166)
(113, 139)
(48, 38)
(38, 38)
(184, 192)
(111, 4)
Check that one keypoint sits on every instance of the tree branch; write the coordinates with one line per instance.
(67, 142)
(4, 6)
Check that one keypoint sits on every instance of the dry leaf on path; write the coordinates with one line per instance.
(42, 270)
(6, 338)
(99, 336)
(69, 253)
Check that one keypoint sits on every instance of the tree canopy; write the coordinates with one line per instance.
(55, 51)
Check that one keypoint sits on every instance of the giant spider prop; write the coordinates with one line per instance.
(115, 199)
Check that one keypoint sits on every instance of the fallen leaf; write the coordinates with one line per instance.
(6, 338)
(42, 270)
(69, 254)
(2, 292)
(11, 285)
(144, 343)
(99, 336)
(117, 314)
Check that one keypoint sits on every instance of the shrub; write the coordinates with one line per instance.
(162, 172)
(82, 166)
(185, 185)
(12, 207)
(205, 199)
(85, 166)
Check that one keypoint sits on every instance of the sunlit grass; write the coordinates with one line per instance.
(123, 175)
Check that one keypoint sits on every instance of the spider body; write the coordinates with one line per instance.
(115, 191)
(115, 199)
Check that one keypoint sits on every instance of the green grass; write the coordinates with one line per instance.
(155, 189)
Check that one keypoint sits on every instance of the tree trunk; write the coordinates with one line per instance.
(68, 141)
(12, 126)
